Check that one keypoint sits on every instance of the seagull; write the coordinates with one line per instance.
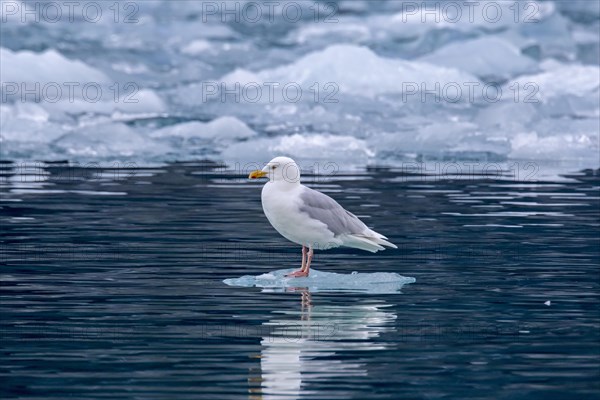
(308, 217)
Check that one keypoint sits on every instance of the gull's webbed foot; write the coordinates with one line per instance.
(297, 274)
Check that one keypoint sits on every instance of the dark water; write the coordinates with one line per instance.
(112, 288)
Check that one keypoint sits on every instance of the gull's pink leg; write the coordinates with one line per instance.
(301, 272)
(303, 257)
(308, 260)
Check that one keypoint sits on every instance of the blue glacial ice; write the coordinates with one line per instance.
(372, 51)
(321, 281)
(474, 56)
(369, 76)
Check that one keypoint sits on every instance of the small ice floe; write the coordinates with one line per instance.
(319, 281)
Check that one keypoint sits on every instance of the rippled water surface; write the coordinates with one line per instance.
(112, 287)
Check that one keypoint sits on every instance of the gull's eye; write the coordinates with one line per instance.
(274, 166)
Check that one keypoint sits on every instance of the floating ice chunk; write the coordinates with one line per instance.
(566, 147)
(218, 129)
(242, 76)
(70, 86)
(580, 10)
(319, 281)
(144, 101)
(130, 68)
(28, 122)
(427, 135)
(355, 70)
(506, 117)
(355, 30)
(438, 136)
(31, 111)
(196, 47)
(560, 80)
(46, 67)
(551, 35)
(108, 140)
(550, 65)
(141, 101)
(414, 22)
(485, 57)
(306, 147)
(535, 133)
(562, 90)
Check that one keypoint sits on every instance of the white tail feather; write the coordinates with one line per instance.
(370, 241)
(380, 239)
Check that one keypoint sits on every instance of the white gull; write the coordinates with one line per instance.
(310, 218)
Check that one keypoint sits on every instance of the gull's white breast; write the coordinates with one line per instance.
(282, 208)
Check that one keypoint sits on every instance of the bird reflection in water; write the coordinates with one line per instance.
(304, 346)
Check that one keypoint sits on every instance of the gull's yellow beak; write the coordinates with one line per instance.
(257, 174)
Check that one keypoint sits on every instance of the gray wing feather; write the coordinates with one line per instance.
(321, 207)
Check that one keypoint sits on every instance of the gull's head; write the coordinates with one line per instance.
(279, 169)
